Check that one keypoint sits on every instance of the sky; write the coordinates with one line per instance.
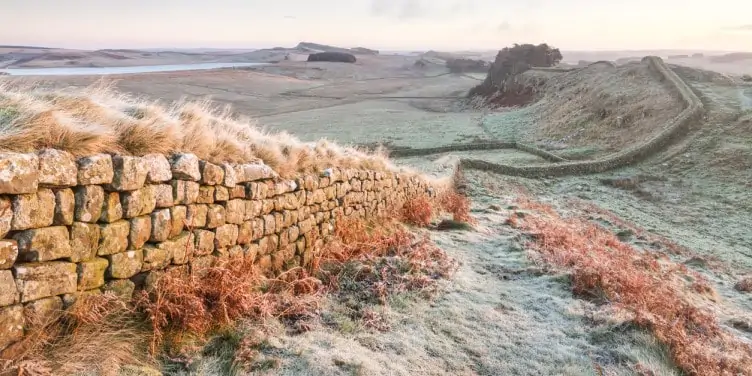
(382, 24)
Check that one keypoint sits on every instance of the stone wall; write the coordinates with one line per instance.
(71, 226)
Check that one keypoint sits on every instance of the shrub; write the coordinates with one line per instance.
(418, 211)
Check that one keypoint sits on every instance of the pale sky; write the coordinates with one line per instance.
(382, 24)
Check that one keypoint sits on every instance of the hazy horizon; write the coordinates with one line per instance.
(400, 25)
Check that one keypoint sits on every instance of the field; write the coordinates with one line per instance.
(507, 309)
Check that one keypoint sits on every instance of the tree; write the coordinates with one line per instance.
(512, 61)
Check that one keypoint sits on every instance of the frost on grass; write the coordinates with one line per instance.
(100, 120)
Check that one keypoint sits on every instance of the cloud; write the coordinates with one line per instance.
(504, 26)
(416, 9)
(739, 28)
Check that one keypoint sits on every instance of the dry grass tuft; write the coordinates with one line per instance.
(418, 211)
(662, 295)
(99, 120)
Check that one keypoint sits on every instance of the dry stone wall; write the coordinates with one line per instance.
(70, 226)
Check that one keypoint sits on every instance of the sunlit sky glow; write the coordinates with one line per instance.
(383, 24)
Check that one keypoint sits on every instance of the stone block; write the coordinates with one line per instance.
(156, 258)
(254, 172)
(269, 244)
(269, 224)
(113, 237)
(43, 244)
(251, 252)
(122, 288)
(237, 191)
(112, 210)
(125, 264)
(258, 228)
(11, 325)
(204, 242)
(8, 292)
(230, 178)
(211, 174)
(185, 192)
(91, 273)
(235, 211)
(293, 233)
(182, 248)
(42, 312)
(84, 241)
(65, 207)
(40, 280)
(163, 195)
(226, 236)
(8, 253)
(129, 173)
(19, 173)
(185, 167)
(33, 210)
(235, 252)
(158, 168)
(200, 265)
(215, 216)
(89, 203)
(279, 222)
(205, 195)
(57, 168)
(245, 232)
(278, 261)
(196, 217)
(95, 169)
(267, 206)
(179, 216)
(161, 225)
(138, 202)
(221, 193)
(69, 299)
(252, 209)
(140, 232)
(6, 215)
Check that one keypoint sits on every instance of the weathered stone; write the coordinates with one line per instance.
(205, 195)
(43, 244)
(57, 168)
(113, 237)
(185, 167)
(253, 172)
(226, 236)
(204, 242)
(200, 265)
(185, 192)
(139, 202)
(252, 209)
(89, 203)
(245, 233)
(279, 222)
(84, 241)
(40, 280)
(69, 299)
(125, 264)
(269, 244)
(42, 312)
(251, 252)
(237, 191)
(294, 233)
(215, 216)
(182, 248)
(140, 232)
(11, 325)
(269, 224)
(230, 175)
(112, 210)
(158, 168)
(161, 225)
(267, 206)
(258, 228)
(235, 252)
(6, 215)
(33, 210)
(156, 258)
(65, 206)
(211, 174)
(8, 253)
(178, 215)
(8, 292)
(221, 193)
(130, 173)
(163, 195)
(235, 211)
(91, 273)
(95, 169)
(196, 216)
(278, 261)
(122, 288)
(19, 173)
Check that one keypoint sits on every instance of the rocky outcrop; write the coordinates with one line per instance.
(337, 57)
